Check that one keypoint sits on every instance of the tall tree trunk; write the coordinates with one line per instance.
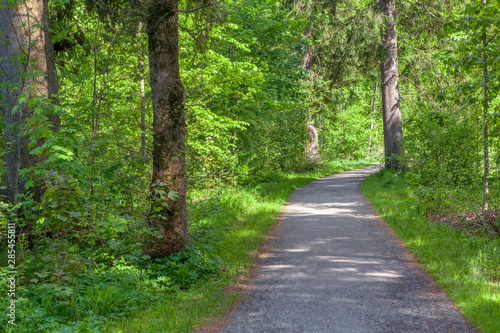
(374, 105)
(393, 129)
(142, 93)
(485, 122)
(311, 150)
(169, 171)
(25, 47)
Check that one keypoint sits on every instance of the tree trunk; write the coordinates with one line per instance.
(312, 146)
(393, 129)
(142, 94)
(169, 172)
(307, 58)
(26, 47)
(374, 105)
(485, 123)
(311, 150)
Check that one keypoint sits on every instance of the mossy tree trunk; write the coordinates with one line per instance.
(169, 212)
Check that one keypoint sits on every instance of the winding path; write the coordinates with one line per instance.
(335, 267)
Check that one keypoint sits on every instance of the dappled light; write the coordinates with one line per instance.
(153, 153)
(335, 266)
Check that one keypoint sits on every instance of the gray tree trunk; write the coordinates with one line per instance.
(25, 47)
(311, 150)
(169, 128)
(374, 106)
(393, 129)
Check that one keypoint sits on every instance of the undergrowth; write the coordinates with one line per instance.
(466, 263)
(230, 224)
(66, 287)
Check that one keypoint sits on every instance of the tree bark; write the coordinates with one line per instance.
(307, 58)
(485, 123)
(142, 93)
(393, 129)
(169, 172)
(26, 47)
(312, 146)
(374, 105)
(311, 150)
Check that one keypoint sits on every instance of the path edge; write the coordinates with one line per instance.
(244, 281)
(412, 262)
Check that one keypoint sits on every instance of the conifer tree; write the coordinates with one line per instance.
(393, 128)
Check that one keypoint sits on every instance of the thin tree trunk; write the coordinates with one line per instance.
(485, 123)
(373, 118)
(95, 102)
(142, 95)
(393, 129)
(26, 46)
(169, 171)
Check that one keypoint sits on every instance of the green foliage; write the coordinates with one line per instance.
(432, 156)
(472, 37)
(444, 140)
(259, 48)
(82, 224)
(184, 268)
(230, 225)
(83, 303)
(347, 132)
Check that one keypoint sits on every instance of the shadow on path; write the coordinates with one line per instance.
(336, 268)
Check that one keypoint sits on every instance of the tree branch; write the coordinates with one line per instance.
(414, 49)
(489, 40)
(196, 9)
(428, 11)
(419, 88)
(401, 96)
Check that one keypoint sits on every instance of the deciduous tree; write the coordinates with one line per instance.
(169, 162)
(27, 74)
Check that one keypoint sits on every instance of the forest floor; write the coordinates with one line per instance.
(335, 266)
(482, 223)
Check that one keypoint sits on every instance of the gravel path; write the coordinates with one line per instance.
(335, 267)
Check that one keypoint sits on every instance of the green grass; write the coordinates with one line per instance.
(59, 292)
(230, 224)
(466, 266)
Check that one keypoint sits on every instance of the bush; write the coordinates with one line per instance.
(185, 268)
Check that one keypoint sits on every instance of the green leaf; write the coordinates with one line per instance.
(173, 194)
(159, 192)
(62, 218)
(75, 214)
(28, 184)
(120, 227)
(36, 151)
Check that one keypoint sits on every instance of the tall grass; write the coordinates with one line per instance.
(467, 266)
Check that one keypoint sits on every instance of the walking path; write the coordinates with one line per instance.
(335, 267)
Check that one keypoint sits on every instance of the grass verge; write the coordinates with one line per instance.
(231, 225)
(467, 266)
